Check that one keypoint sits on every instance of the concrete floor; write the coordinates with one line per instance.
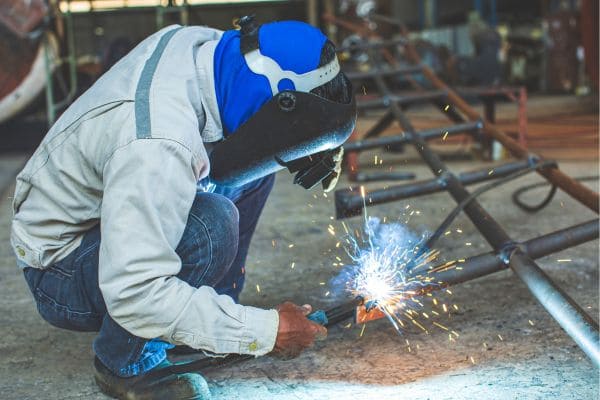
(534, 360)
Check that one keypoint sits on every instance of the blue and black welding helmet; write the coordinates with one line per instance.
(263, 78)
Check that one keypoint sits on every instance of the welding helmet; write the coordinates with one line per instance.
(288, 127)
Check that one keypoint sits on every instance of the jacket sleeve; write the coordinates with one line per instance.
(149, 188)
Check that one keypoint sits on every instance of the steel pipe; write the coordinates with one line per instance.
(572, 318)
(383, 176)
(373, 44)
(385, 101)
(427, 134)
(488, 263)
(349, 203)
(387, 71)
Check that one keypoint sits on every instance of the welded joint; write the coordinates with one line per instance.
(535, 161)
(508, 250)
(444, 177)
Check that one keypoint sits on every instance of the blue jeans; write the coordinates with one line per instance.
(68, 295)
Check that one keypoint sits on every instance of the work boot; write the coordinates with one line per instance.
(151, 386)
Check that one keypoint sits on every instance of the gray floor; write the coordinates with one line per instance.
(534, 360)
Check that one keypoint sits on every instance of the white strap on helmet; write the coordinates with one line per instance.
(270, 69)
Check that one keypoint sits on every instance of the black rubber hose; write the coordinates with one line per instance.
(516, 196)
(428, 244)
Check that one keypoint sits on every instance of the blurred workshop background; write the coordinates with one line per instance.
(530, 67)
(52, 51)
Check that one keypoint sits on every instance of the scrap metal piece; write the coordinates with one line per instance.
(364, 315)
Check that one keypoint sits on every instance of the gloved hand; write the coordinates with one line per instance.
(295, 332)
(331, 180)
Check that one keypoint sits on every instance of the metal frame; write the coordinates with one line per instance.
(488, 96)
(507, 253)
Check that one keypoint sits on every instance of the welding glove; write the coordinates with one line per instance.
(295, 332)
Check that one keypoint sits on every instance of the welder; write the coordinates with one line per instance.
(134, 216)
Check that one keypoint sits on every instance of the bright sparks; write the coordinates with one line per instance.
(386, 270)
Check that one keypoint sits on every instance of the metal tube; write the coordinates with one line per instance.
(349, 203)
(383, 176)
(385, 101)
(373, 44)
(388, 71)
(435, 133)
(488, 263)
(572, 318)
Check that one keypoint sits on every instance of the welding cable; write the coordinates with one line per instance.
(454, 213)
(516, 196)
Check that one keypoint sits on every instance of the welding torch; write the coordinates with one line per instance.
(325, 318)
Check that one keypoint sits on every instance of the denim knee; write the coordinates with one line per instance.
(210, 240)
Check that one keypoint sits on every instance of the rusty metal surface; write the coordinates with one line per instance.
(17, 57)
(589, 37)
(22, 17)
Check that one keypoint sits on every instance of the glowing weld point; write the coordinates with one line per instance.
(257, 288)
(445, 135)
(447, 107)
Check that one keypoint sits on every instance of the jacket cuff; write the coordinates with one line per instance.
(260, 331)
